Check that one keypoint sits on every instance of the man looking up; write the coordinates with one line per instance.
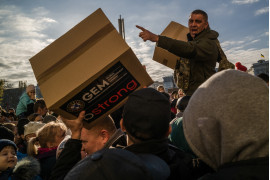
(201, 48)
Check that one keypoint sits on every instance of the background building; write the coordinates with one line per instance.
(261, 66)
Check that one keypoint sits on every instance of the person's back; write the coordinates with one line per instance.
(146, 119)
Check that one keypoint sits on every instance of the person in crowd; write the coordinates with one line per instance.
(229, 130)
(44, 146)
(49, 118)
(28, 168)
(27, 98)
(264, 77)
(19, 136)
(12, 114)
(4, 116)
(10, 126)
(174, 98)
(89, 137)
(181, 93)
(240, 67)
(11, 110)
(146, 119)
(40, 107)
(119, 164)
(11, 117)
(201, 48)
(162, 90)
(35, 117)
(31, 129)
(181, 105)
(6, 133)
(8, 158)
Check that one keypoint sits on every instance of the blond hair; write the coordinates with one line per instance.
(46, 134)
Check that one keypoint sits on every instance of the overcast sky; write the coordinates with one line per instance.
(27, 26)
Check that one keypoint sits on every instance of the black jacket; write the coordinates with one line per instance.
(70, 155)
(180, 163)
(242, 170)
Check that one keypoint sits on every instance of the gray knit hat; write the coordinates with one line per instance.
(32, 127)
(227, 118)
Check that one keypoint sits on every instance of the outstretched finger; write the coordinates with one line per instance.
(141, 28)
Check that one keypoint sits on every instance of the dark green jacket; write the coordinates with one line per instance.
(202, 52)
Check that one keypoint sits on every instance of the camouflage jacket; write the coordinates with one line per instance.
(202, 53)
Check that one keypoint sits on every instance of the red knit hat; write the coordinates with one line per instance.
(240, 67)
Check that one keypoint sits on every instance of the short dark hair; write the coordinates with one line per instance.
(199, 11)
(6, 133)
(21, 124)
(39, 104)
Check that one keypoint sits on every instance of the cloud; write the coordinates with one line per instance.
(262, 11)
(246, 57)
(144, 51)
(244, 1)
(21, 37)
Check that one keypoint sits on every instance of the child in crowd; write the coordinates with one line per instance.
(45, 144)
(8, 158)
(26, 169)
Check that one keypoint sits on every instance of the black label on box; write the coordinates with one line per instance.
(102, 94)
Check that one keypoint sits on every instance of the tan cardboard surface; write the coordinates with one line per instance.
(175, 31)
(79, 58)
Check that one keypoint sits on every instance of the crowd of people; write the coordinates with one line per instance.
(218, 129)
(221, 131)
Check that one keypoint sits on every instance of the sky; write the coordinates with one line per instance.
(28, 26)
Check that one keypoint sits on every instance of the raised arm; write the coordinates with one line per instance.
(147, 35)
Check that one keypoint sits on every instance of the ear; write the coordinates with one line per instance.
(206, 25)
(104, 136)
(122, 125)
(169, 130)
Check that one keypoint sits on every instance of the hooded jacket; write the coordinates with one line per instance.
(26, 169)
(226, 125)
(201, 51)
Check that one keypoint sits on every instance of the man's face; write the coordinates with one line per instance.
(196, 24)
(92, 141)
(8, 158)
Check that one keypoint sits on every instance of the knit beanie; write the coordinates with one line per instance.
(6, 142)
(146, 114)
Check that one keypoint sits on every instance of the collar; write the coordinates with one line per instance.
(202, 32)
(150, 146)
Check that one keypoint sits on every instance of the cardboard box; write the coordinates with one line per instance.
(89, 68)
(175, 31)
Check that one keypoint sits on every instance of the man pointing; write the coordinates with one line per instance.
(201, 48)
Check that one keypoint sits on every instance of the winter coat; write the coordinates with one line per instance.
(47, 160)
(22, 105)
(26, 169)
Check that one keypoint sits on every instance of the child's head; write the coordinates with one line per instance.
(8, 154)
(49, 136)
